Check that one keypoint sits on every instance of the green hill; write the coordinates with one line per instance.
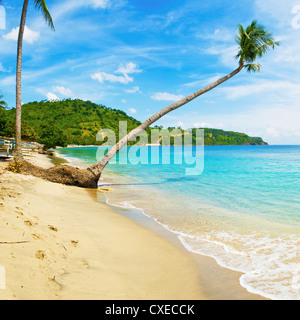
(81, 120)
(221, 137)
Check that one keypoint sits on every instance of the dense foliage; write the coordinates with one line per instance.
(78, 122)
(3, 122)
(52, 136)
(220, 137)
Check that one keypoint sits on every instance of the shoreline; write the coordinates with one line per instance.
(219, 283)
(137, 259)
(208, 266)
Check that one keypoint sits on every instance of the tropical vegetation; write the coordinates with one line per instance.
(3, 104)
(77, 122)
(253, 42)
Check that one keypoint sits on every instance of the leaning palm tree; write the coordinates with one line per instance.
(41, 5)
(3, 104)
(253, 43)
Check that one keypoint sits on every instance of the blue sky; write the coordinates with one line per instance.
(141, 55)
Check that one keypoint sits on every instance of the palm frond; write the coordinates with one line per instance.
(253, 67)
(42, 6)
(3, 104)
(254, 42)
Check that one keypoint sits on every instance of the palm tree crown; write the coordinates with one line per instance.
(254, 42)
(42, 6)
(3, 104)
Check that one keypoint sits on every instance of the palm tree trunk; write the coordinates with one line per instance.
(18, 147)
(97, 168)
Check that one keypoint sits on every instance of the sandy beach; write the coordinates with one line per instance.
(59, 242)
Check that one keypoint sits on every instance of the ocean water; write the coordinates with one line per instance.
(243, 209)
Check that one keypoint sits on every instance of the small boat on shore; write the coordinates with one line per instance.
(6, 149)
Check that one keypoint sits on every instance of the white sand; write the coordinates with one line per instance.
(78, 248)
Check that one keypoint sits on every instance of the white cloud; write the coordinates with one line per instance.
(134, 90)
(222, 35)
(2, 69)
(30, 36)
(132, 111)
(64, 91)
(226, 54)
(103, 76)
(70, 5)
(99, 3)
(203, 82)
(8, 81)
(165, 96)
(280, 89)
(203, 125)
(129, 68)
(280, 10)
(52, 96)
(180, 124)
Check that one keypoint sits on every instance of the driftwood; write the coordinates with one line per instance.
(14, 242)
(60, 174)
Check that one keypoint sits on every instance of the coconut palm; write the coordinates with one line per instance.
(253, 43)
(3, 104)
(42, 6)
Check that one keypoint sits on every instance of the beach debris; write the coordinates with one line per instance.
(104, 189)
(40, 254)
(14, 242)
(15, 166)
(28, 223)
(52, 228)
(64, 247)
(36, 237)
(56, 282)
(74, 243)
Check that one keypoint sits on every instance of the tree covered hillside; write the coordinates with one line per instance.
(221, 137)
(78, 122)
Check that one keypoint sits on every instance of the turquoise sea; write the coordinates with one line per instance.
(243, 210)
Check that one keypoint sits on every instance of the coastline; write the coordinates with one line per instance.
(218, 283)
(79, 248)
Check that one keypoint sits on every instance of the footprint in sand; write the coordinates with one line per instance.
(28, 223)
(74, 243)
(40, 254)
(36, 236)
(52, 228)
(84, 263)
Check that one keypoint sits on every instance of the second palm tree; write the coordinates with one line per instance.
(42, 6)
